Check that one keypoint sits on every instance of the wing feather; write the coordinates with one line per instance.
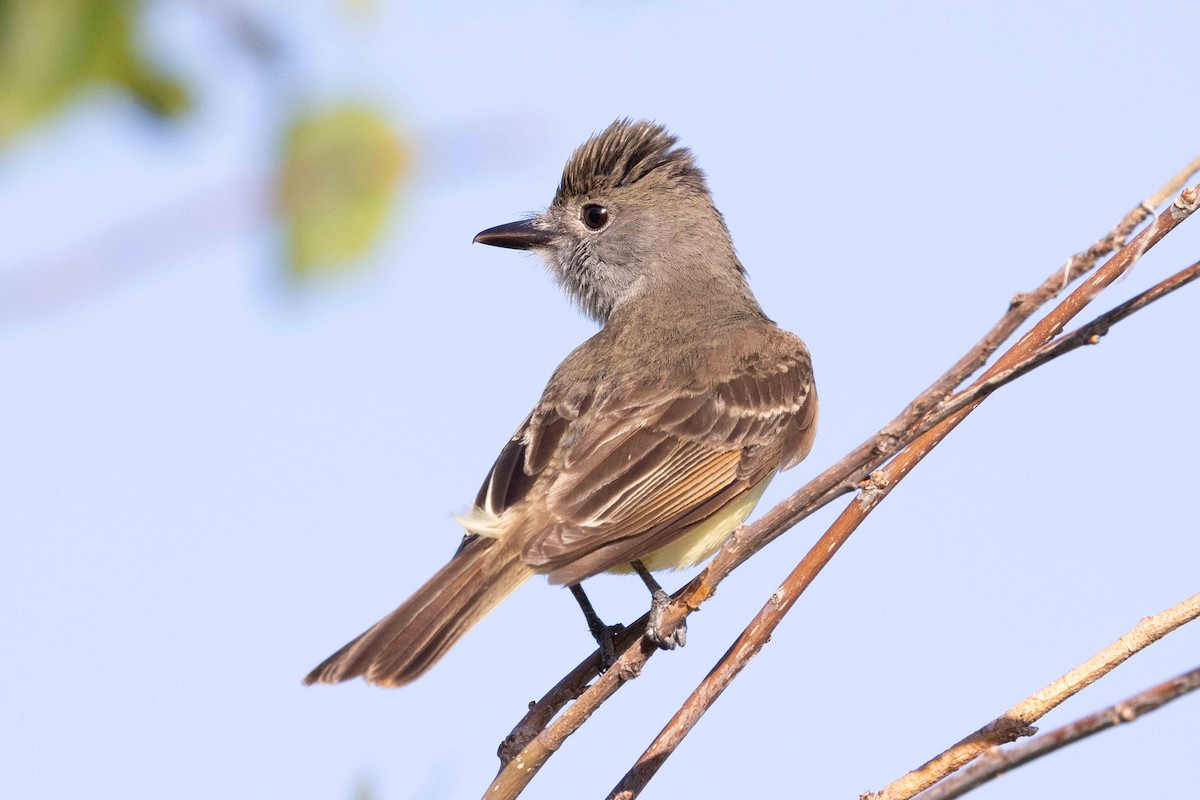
(615, 473)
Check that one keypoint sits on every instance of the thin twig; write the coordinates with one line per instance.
(764, 623)
(1173, 186)
(843, 476)
(853, 468)
(995, 762)
(1018, 720)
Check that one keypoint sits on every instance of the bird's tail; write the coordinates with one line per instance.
(403, 645)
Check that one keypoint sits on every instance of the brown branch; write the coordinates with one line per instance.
(1171, 187)
(1087, 334)
(541, 712)
(842, 477)
(758, 632)
(1018, 720)
(996, 762)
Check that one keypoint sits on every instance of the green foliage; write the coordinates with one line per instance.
(339, 178)
(52, 50)
(338, 171)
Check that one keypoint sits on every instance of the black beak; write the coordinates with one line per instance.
(515, 236)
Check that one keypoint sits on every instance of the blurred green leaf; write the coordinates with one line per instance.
(51, 50)
(340, 174)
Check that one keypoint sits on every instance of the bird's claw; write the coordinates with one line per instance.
(657, 629)
(606, 638)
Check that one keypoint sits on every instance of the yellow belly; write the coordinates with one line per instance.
(707, 538)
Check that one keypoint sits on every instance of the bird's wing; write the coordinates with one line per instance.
(617, 477)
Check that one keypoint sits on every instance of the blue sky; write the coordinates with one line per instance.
(211, 481)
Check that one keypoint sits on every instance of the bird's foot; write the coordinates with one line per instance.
(658, 631)
(605, 635)
(606, 639)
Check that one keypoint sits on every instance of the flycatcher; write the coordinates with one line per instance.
(653, 440)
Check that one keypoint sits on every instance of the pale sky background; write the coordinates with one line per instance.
(210, 480)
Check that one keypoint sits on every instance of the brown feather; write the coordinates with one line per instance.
(626, 550)
(680, 491)
(639, 459)
(403, 645)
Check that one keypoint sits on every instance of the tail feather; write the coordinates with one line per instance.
(403, 645)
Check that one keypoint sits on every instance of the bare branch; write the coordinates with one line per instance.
(759, 630)
(1018, 720)
(1171, 187)
(995, 762)
(837, 480)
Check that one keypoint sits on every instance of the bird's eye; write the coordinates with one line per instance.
(594, 216)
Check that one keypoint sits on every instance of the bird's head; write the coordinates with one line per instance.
(632, 212)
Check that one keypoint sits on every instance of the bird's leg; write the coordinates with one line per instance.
(659, 600)
(603, 634)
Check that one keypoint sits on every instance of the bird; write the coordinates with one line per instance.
(652, 441)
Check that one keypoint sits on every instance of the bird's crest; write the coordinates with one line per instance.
(627, 152)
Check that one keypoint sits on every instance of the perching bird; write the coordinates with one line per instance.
(653, 440)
